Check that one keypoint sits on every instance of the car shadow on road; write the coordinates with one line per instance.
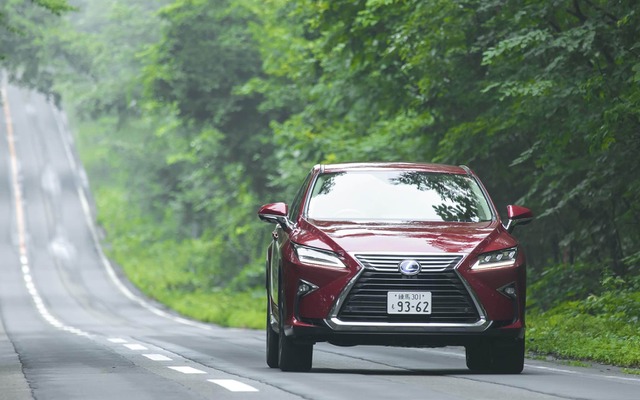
(396, 372)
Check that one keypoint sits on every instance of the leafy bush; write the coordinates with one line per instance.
(563, 282)
(179, 274)
(578, 312)
(603, 329)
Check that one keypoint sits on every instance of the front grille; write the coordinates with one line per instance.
(367, 300)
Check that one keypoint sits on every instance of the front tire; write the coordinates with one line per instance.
(496, 357)
(292, 356)
(508, 357)
(273, 344)
(478, 357)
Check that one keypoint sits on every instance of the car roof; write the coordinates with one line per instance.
(397, 166)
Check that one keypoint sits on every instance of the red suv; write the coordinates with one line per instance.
(395, 254)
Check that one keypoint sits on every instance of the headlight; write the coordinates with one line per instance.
(308, 255)
(496, 259)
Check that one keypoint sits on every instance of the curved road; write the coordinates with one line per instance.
(72, 328)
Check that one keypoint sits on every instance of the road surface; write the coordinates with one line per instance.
(71, 327)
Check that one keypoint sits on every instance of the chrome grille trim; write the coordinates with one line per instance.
(365, 260)
(388, 262)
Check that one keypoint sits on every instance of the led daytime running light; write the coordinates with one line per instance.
(308, 255)
(497, 259)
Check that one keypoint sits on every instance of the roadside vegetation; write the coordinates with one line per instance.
(595, 318)
(190, 114)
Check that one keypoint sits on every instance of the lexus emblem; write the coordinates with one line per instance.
(409, 267)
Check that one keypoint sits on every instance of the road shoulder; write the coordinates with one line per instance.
(12, 380)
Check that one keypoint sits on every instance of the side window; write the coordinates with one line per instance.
(296, 206)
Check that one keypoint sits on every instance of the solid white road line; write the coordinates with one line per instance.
(233, 386)
(453, 353)
(21, 226)
(62, 129)
(26, 270)
(187, 370)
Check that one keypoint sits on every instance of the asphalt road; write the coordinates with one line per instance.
(72, 327)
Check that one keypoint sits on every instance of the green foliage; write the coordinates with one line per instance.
(199, 83)
(575, 313)
(559, 283)
(569, 64)
(57, 7)
(199, 78)
(24, 44)
(603, 329)
(186, 237)
(104, 43)
(537, 96)
(178, 281)
(631, 371)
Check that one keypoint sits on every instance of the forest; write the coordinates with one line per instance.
(190, 114)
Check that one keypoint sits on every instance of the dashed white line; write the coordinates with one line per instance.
(134, 346)
(117, 340)
(233, 386)
(157, 357)
(187, 370)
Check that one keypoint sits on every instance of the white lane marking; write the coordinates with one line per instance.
(565, 371)
(157, 357)
(635, 380)
(134, 346)
(552, 369)
(187, 370)
(24, 259)
(105, 261)
(592, 375)
(21, 225)
(233, 386)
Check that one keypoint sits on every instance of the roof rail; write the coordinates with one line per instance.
(466, 169)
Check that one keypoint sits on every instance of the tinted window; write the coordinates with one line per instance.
(394, 195)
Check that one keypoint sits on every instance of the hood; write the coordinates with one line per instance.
(415, 237)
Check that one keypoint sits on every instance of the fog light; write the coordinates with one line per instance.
(305, 287)
(509, 290)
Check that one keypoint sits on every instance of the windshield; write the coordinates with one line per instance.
(397, 195)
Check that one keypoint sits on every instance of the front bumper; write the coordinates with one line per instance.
(358, 316)
(320, 331)
(338, 325)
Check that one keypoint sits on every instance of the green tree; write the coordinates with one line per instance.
(221, 147)
(563, 81)
(540, 97)
(205, 54)
(23, 48)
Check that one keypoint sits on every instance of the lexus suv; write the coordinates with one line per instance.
(395, 254)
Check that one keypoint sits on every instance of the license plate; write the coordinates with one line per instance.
(409, 303)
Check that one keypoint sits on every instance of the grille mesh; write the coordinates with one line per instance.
(367, 300)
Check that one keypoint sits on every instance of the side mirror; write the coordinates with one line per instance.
(518, 216)
(275, 213)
